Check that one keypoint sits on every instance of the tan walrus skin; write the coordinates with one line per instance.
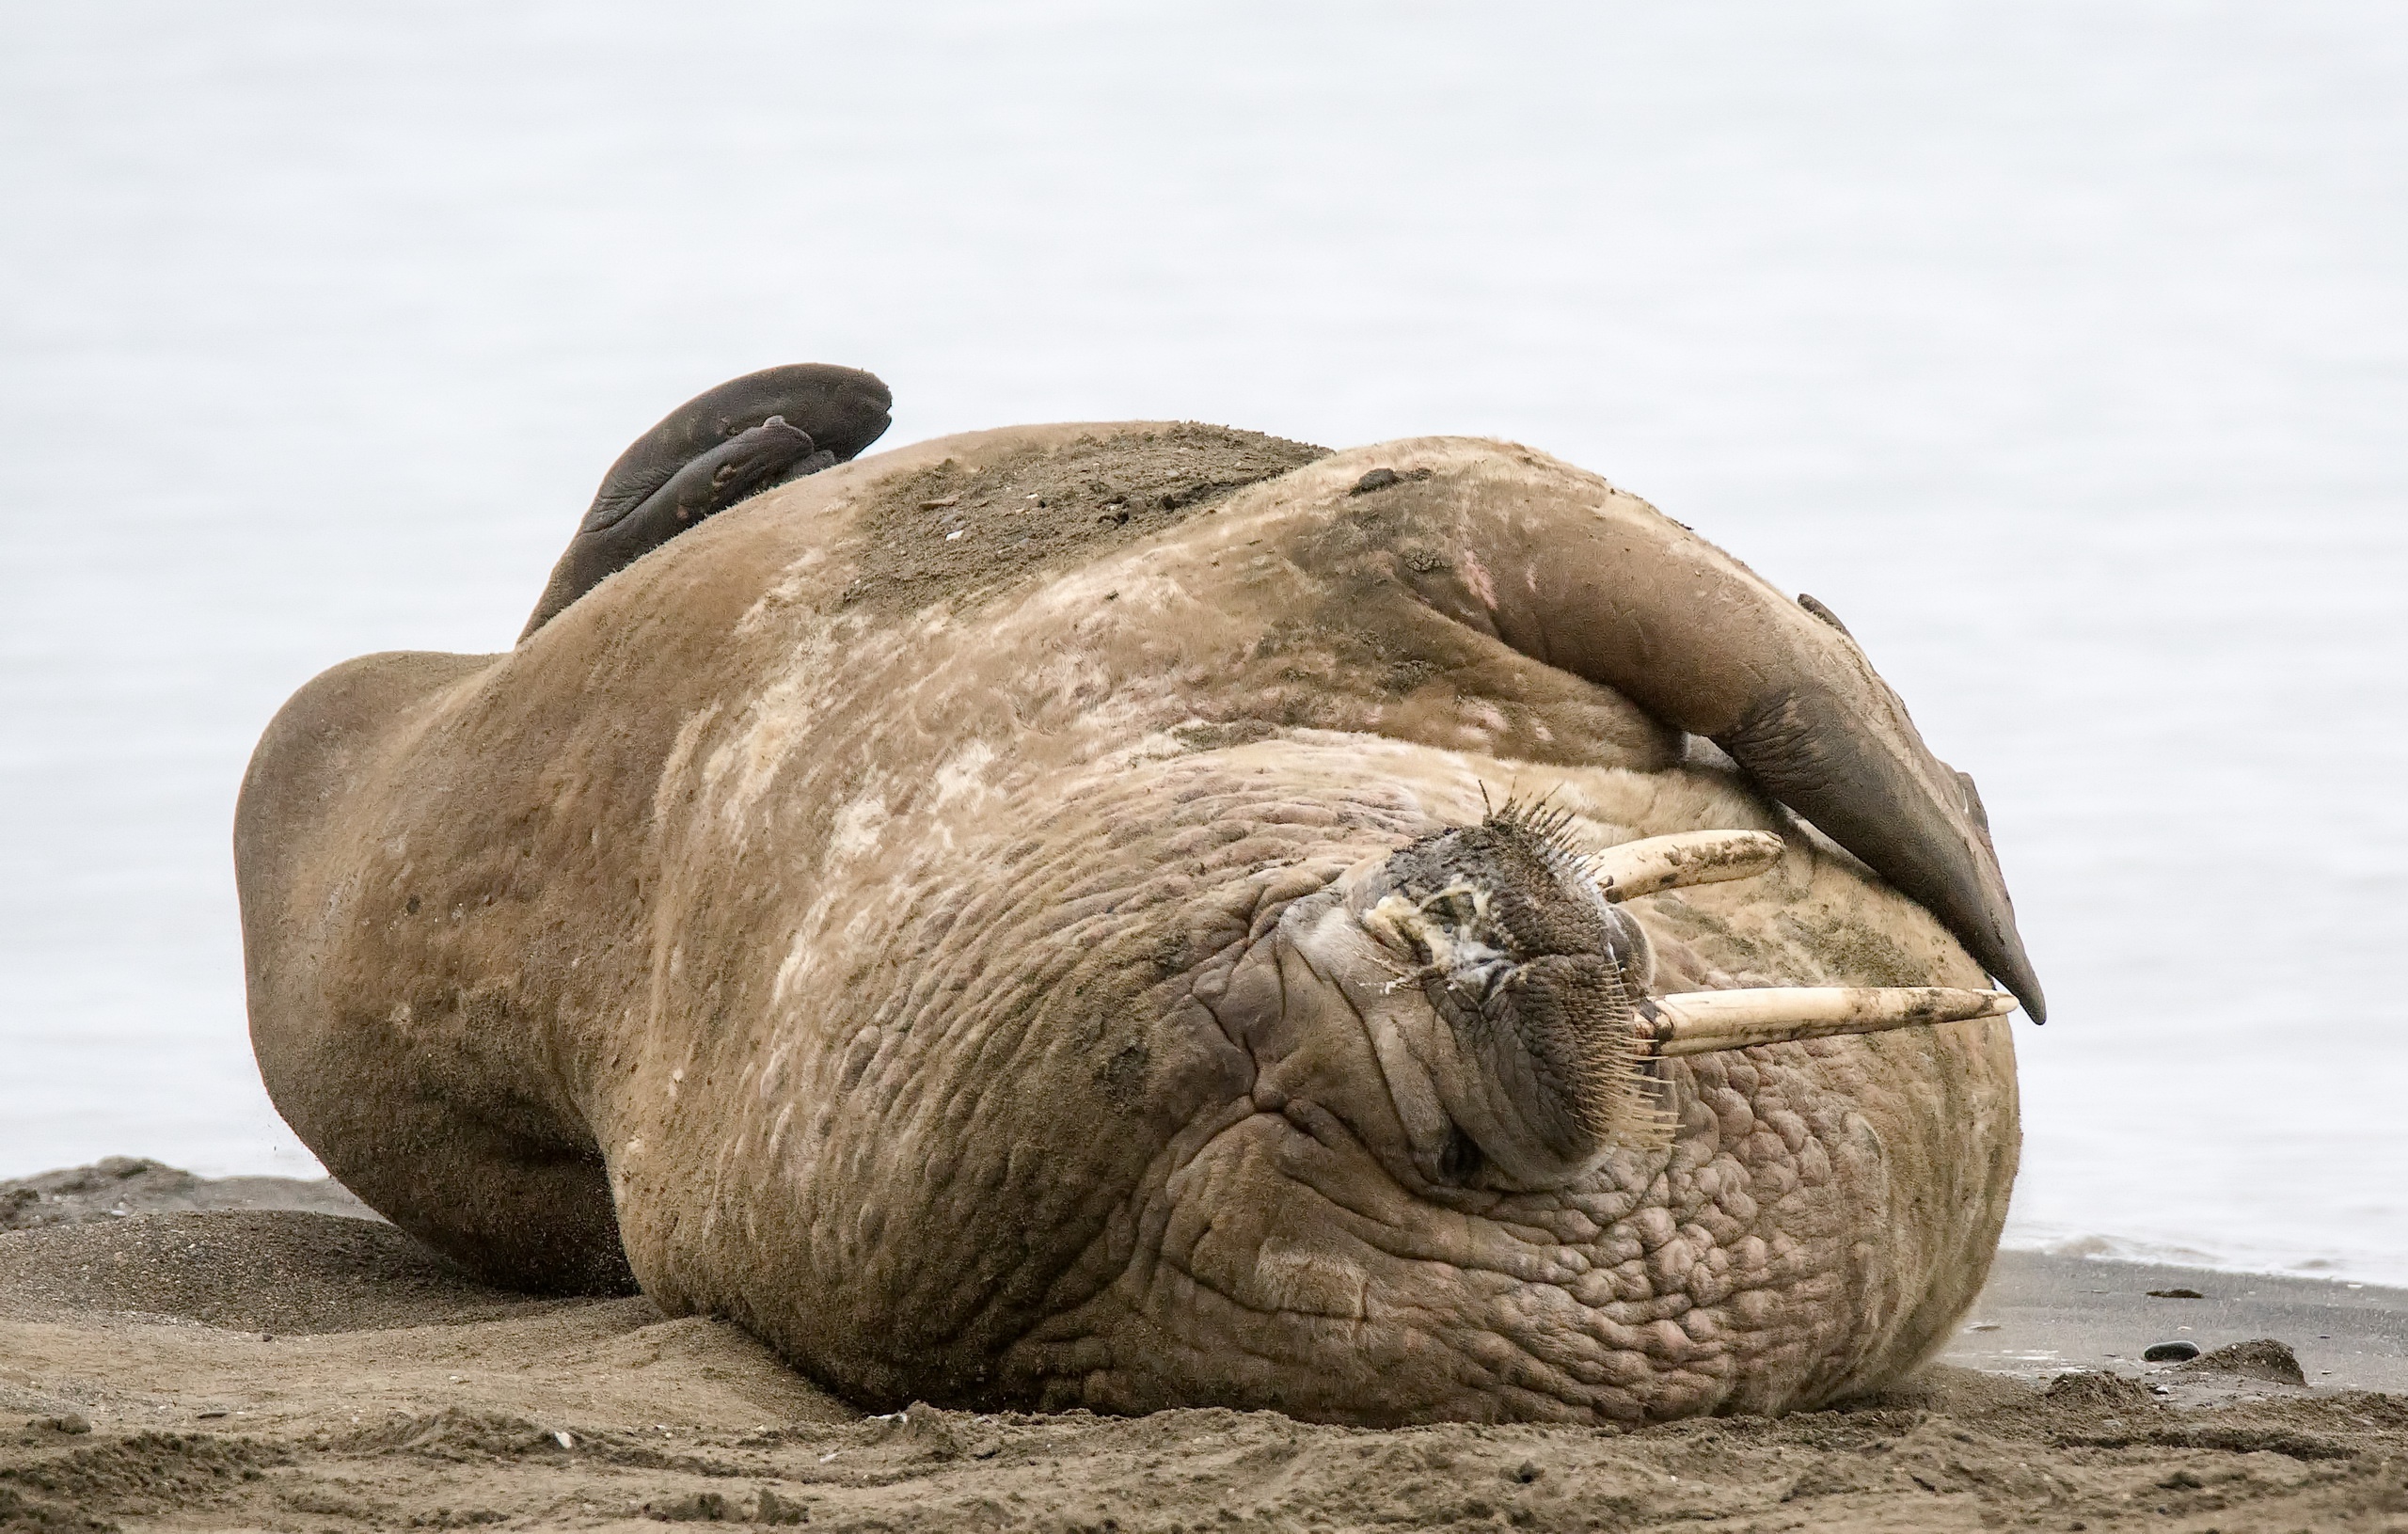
(1130, 954)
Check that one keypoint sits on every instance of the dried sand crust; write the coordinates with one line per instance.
(288, 1369)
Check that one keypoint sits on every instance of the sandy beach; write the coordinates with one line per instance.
(259, 1353)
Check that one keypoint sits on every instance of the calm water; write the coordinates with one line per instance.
(2060, 347)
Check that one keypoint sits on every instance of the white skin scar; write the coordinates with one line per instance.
(1477, 574)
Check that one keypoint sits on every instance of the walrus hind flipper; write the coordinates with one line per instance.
(720, 448)
(738, 468)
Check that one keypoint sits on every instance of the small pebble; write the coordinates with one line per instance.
(2169, 1352)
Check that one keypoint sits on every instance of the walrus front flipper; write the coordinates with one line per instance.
(720, 448)
(1622, 596)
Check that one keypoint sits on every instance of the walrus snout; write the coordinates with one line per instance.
(1507, 990)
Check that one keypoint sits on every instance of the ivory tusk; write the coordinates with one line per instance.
(1701, 1021)
(1689, 857)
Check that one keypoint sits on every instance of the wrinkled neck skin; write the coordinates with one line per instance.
(989, 1013)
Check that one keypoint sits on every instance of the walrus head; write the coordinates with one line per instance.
(1510, 998)
(1533, 979)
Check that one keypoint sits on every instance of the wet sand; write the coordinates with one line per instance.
(2051, 1314)
(194, 1363)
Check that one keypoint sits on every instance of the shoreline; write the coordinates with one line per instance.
(2374, 1270)
(2042, 1315)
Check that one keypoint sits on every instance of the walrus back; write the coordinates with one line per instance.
(514, 1189)
(317, 740)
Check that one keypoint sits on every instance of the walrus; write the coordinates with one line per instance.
(1141, 914)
